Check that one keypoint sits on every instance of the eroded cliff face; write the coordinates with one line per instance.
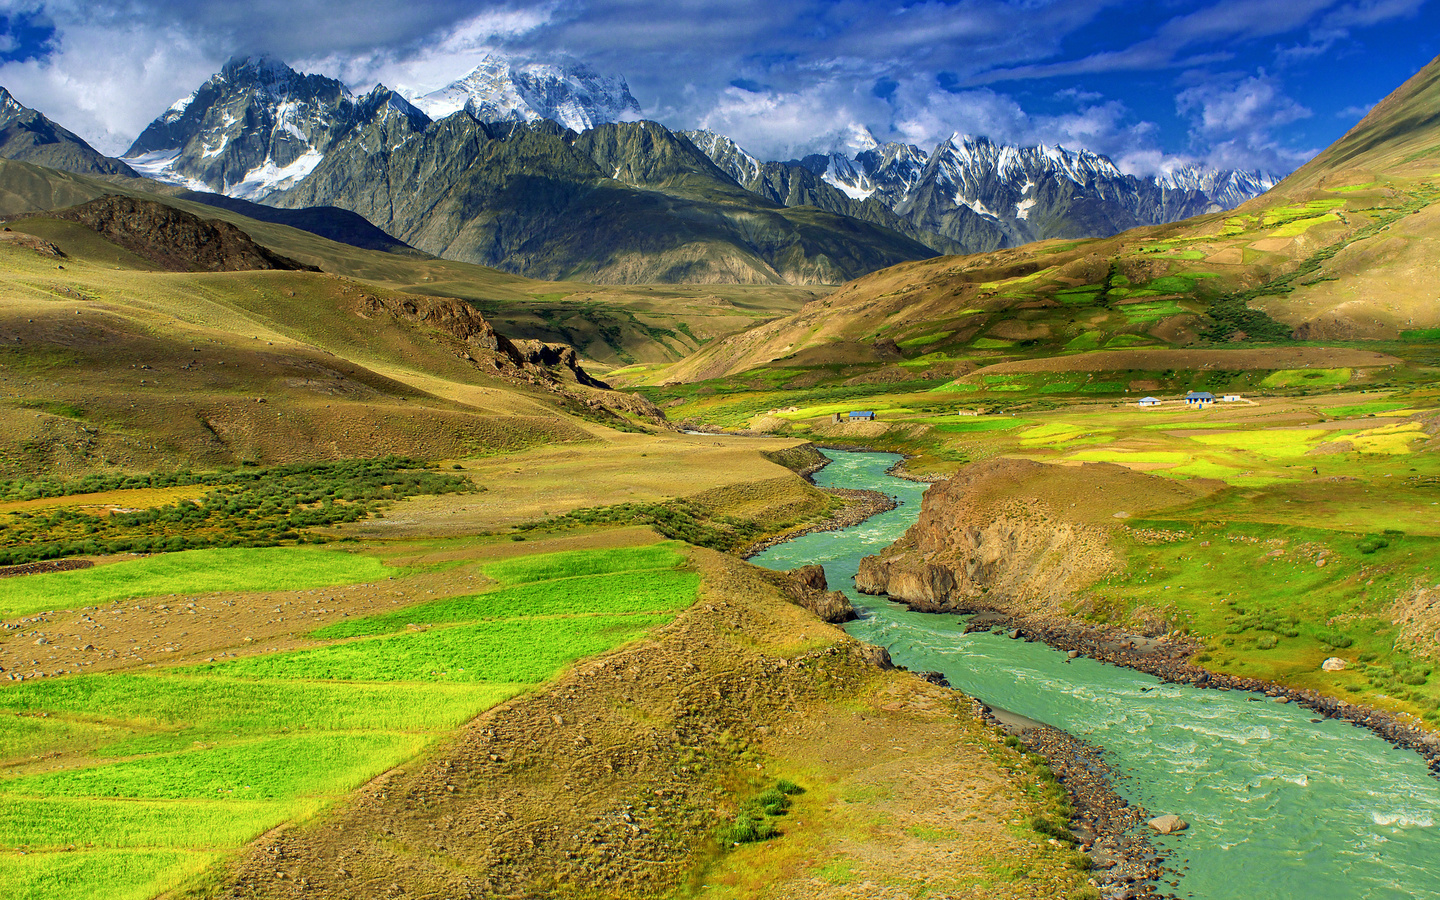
(1015, 535)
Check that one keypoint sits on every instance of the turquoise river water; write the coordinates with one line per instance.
(1280, 806)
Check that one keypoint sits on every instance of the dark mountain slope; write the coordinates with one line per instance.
(29, 136)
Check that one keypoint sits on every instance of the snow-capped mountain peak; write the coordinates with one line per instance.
(500, 91)
(726, 154)
(254, 128)
(9, 106)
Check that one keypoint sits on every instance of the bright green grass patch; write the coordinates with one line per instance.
(1002, 379)
(1138, 456)
(1102, 387)
(990, 344)
(273, 768)
(1352, 187)
(1063, 433)
(1423, 335)
(23, 737)
(924, 339)
(1090, 340)
(1203, 468)
(1300, 226)
(97, 875)
(1060, 387)
(1150, 312)
(189, 572)
(59, 822)
(517, 652)
(956, 387)
(1284, 378)
(234, 705)
(1363, 409)
(1282, 214)
(968, 426)
(1392, 439)
(1271, 444)
(1121, 341)
(1008, 388)
(1079, 296)
(572, 563)
(626, 592)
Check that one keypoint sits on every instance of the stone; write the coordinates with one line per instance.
(1072, 654)
(1014, 633)
(1334, 664)
(1168, 824)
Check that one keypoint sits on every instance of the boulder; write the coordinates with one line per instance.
(1334, 664)
(1168, 824)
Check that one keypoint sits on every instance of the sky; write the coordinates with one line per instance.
(1253, 84)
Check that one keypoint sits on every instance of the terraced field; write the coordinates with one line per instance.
(123, 785)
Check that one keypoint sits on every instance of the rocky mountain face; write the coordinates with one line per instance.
(255, 128)
(502, 180)
(29, 136)
(804, 183)
(499, 91)
(624, 202)
(971, 195)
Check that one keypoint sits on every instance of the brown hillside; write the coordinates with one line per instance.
(173, 239)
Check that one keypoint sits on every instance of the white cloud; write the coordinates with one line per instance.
(1236, 119)
(453, 54)
(107, 81)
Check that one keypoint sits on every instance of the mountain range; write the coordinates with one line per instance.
(548, 171)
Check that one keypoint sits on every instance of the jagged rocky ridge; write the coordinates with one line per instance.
(974, 195)
(28, 136)
(620, 202)
(573, 95)
(547, 138)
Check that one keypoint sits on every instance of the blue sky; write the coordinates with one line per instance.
(1243, 83)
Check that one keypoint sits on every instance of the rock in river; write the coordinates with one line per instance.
(1168, 824)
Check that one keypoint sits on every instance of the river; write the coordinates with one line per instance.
(1280, 806)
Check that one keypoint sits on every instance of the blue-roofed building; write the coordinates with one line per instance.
(862, 415)
(1199, 399)
(1149, 402)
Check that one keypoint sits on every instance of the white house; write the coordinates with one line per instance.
(1148, 402)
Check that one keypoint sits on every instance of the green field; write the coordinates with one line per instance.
(124, 785)
(189, 572)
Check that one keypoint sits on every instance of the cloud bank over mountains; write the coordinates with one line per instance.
(1252, 84)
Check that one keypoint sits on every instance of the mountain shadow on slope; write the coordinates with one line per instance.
(331, 222)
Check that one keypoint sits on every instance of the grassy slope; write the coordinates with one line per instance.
(611, 324)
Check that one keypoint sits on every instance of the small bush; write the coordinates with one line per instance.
(1414, 679)
(1337, 640)
(1051, 829)
(748, 829)
(1267, 642)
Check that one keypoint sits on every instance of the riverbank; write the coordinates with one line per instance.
(1126, 864)
(1169, 661)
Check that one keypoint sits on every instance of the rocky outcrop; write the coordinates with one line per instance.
(174, 239)
(554, 367)
(806, 587)
(1014, 535)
